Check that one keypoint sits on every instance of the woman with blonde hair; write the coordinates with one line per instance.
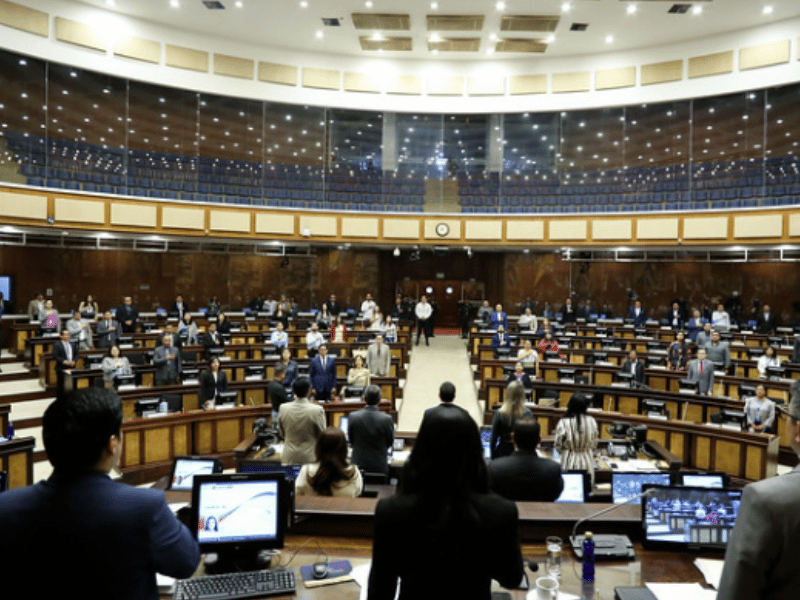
(513, 408)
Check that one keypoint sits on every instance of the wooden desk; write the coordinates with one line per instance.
(16, 457)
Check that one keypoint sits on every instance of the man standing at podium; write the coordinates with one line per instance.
(762, 560)
(80, 530)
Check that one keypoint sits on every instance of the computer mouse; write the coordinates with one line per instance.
(614, 465)
(320, 570)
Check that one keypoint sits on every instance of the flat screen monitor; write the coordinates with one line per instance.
(184, 468)
(695, 518)
(576, 486)
(626, 486)
(120, 380)
(733, 418)
(705, 480)
(174, 402)
(290, 472)
(3, 481)
(655, 408)
(7, 287)
(240, 513)
(146, 405)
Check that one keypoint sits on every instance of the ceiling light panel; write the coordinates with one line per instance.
(532, 23)
(385, 22)
(455, 22)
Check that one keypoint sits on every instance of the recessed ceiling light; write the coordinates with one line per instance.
(631, 9)
(566, 7)
(768, 9)
(609, 39)
(697, 9)
(434, 5)
(303, 4)
(174, 3)
(319, 34)
(368, 3)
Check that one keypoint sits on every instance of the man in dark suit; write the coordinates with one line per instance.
(568, 314)
(167, 361)
(637, 314)
(81, 516)
(178, 308)
(500, 341)
(276, 391)
(634, 366)
(371, 434)
(524, 476)
(107, 331)
(766, 322)
(169, 331)
(322, 373)
(334, 308)
(128, 315)
(66, 356)
(675, 317)
(447, 394)
(211, 340)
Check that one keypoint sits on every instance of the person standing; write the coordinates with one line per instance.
(124, 534)
(379, 357)
(107, 331)
(128, 315)
(576, 437)
(371, 434)
(701, 370)
(299, 424)
(322, 373)
(66, 357)
(423, 311)
(761, 560)
(167, 361)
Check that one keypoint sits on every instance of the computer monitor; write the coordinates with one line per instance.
(655, 408)
(599, 357)
(626, 486)
(290, 472)
(735, 419)
(566, 374)
(184, 468)
(174, 402)
(624, 377)
(353, 391)
(145, 406)
(215, 352)
(576, 486)
(688, 385)
(123, 380)
(238, 515)
(486, 441)
(3, 481)
(190, 375)
(705, 480)
(695, 518)
(551, 355)
(253, 372)
(774, 372)
(227, 398)
(746, 390)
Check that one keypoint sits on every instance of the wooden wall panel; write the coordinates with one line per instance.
(663, 72)
(139, 49)
(277, 73)
(527, 84)
(79, 34)
(24, 18)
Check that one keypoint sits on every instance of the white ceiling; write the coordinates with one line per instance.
(285, 24)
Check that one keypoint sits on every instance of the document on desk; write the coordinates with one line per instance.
(681, 591)
(711, 568)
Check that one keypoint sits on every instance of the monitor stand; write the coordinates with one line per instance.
(231, 561)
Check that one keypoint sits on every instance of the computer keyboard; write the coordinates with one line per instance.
(249, 584)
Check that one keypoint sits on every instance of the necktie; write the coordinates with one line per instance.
(701, 367)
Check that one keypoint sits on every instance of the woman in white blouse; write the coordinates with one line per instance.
(331, 475)
(114, 365)
(768, 359)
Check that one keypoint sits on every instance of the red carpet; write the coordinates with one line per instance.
(446, 331)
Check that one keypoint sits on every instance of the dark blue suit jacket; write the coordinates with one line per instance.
(98, 537)
(323, 380)
(640, 320)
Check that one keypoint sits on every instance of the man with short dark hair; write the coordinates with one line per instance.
(524, 476)
(447, 393)
(66, 356)
(167, 361)
(634, 367)
(299, 424)
(322, 373)
(276, 391)
(761, 560)
(212, 340)
(128, 315)
(86, 521)
(371, 434)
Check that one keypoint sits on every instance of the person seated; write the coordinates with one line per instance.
(520, 375)
(114, 365)
(760, 411)
(768, 359)
(500, 341)
(358, 375)
(279, 338)
(213, 382)
(331, 474)
(442, 518)
(513, 408)
(523, 476)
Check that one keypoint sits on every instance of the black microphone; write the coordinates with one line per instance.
(577, 542)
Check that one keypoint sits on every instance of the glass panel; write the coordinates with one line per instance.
(231, 148)
(294, 151)
(464, 164)
(87, 134)
(656, 156)
(416, 182)
(162, 150)
(355, 175)
(22, 120)
(728, 150)
(783, 147)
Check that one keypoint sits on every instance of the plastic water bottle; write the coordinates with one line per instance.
(10, 431)
(588, 557)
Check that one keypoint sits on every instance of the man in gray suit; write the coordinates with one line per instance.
(371, 434)
(299, 423)
(761, 560)
(702, 370)
(108, 331)
(719, 352)
(36, 306)
(167, 361)
(379, 357)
